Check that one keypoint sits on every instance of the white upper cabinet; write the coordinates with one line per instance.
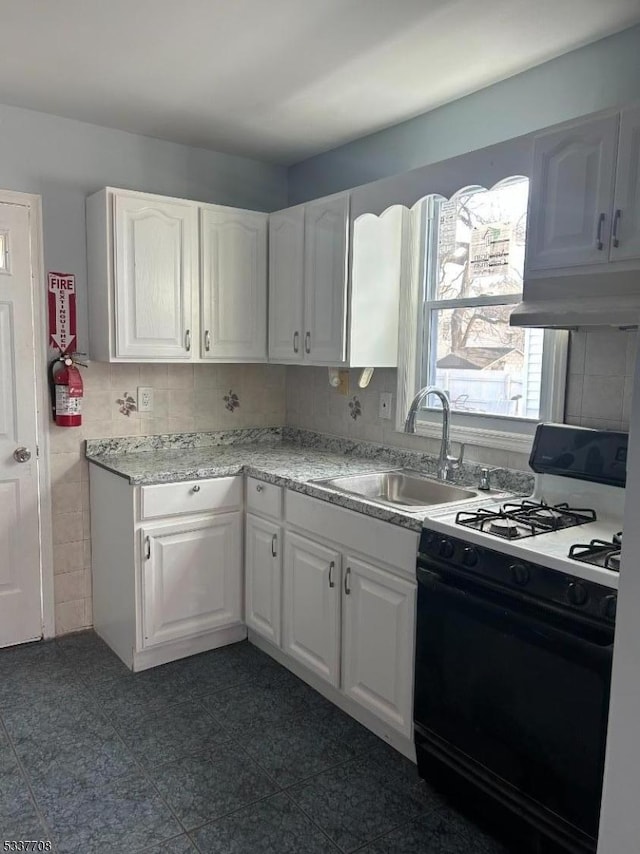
(334, 290)
(325, 279)
(234, 285)
(286, 285)
(164, 288)
(570, 210)
(625, 244)
(155, 275)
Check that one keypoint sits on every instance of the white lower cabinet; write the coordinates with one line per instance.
(378, 627)
(352, 623)
(311, 587)
(263, 577)
(191, 578)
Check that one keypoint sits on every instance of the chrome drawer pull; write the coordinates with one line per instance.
(147, 548)
(259, 487)
(599, 243)
(616, 220)
(332, 566)
(195, 488)
(274, 545)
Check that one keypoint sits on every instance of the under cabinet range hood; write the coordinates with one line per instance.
(566, 302)
(621, 312)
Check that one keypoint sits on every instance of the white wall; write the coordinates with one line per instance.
(601, 75)
(64, 161)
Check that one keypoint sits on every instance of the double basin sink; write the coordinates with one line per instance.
(401, 488)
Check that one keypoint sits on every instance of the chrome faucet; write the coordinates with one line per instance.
(446, 462)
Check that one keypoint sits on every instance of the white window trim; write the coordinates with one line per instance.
(429, 423)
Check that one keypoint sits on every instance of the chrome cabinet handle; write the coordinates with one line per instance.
(147, 548)
(195, 487)
(347, 589)
(296, 341)
(332, 566)
(307, 342)
(22, 455)
(207, 340)
(187, 340)
(274, 545)
(599, 243)
(616, 220)
(259, 487)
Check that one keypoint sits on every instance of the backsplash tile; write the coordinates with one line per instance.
(600, 378)
(186, 398)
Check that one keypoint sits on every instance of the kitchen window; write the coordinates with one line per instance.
(501, 380)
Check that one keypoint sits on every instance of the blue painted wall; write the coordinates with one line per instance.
(601, 75)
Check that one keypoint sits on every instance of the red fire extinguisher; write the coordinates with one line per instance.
(68, 390)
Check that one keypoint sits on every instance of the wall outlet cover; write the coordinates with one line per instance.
(145, 399)
(384, 408)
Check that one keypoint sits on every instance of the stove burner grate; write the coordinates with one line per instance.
(517, 520)
(598, 553)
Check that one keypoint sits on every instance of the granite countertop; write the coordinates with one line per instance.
(280, 462)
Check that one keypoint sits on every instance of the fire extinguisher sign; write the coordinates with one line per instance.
(62, 311)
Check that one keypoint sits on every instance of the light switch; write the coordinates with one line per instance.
(384, 409)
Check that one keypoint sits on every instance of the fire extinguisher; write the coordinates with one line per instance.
(67, 391)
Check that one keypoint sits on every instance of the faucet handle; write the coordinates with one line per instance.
(456, 462)
(485, 482)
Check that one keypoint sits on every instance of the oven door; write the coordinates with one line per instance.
(515, 696)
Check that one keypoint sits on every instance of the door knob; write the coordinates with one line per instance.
(22, 455)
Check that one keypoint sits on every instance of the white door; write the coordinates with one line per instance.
(191, 578)
(156, 269)
(377, 642)
(326, 247)
(571, 194)
(311, 619)
(234, 285)
(263, 577)
(626, 203)
(20, 610)
(286, 284)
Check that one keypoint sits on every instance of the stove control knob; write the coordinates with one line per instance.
(519, 574)
(577, 593)
(447, 548)
(608, 606)
(469, 557)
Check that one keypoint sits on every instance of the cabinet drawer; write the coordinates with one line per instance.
(190, 496)
(264, 498)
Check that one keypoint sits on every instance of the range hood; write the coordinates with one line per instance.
(566, 302)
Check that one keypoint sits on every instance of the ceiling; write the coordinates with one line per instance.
(279, 80)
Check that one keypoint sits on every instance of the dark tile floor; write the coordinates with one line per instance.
(222, 753)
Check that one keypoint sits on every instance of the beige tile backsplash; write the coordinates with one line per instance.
(186, 397)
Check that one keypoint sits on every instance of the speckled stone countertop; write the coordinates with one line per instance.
(268, 456)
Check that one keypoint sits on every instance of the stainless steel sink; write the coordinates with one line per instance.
(399, 488)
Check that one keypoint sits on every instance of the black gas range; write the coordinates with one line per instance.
(515, 627)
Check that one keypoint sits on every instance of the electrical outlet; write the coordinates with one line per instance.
(384, 408)
(145, 399)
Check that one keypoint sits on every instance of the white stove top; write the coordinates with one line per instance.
(550, 549)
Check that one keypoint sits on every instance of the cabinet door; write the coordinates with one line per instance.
(286, 284)
(325, 275)
(311, 586)
(156, 267)
(263, 577)
(571, 195)
(234, 285)
(626, 204)
(378, 641)
(191, 578)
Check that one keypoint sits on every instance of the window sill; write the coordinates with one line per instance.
(481, 437)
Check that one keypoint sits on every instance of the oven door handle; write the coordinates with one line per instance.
(511, 613)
